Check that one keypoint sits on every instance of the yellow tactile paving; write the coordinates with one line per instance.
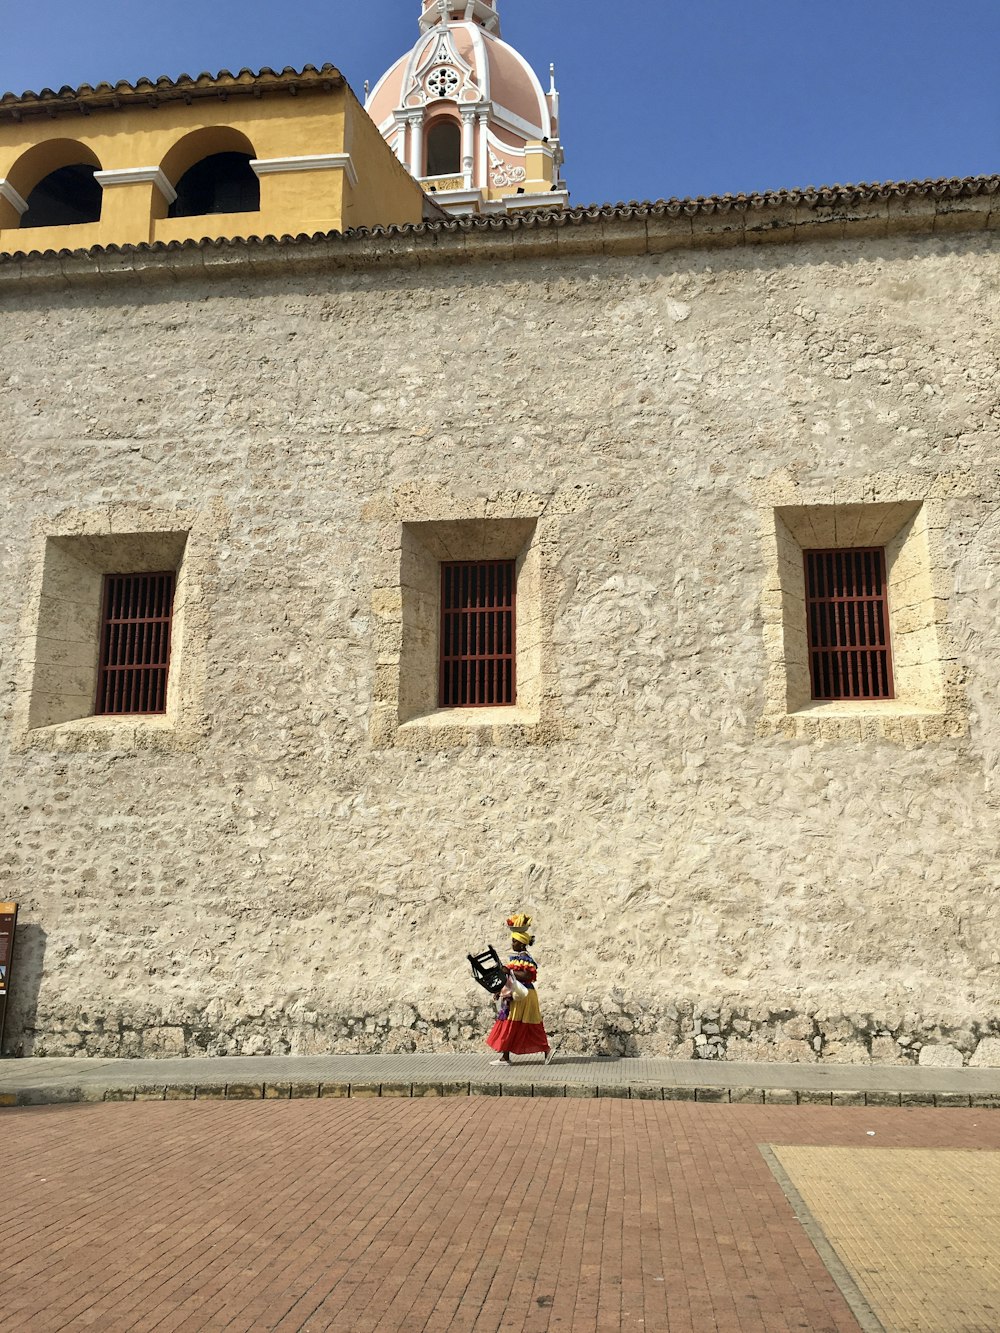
(918, 1230)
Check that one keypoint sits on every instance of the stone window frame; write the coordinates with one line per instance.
(60, 637)
(929, 699)
(417, 532)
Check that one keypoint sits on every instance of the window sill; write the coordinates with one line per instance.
(865, 720)
(448, 728)
(473, 718)
(863, 708)
(105, 732)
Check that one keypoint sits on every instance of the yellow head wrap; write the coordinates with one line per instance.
(519, 928)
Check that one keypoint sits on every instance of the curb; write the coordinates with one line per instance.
(54, 1096)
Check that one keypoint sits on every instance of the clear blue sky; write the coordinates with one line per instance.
(680, 97)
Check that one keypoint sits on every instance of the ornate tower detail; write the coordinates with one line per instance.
(467, 116)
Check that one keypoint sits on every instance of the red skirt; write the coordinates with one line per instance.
(522, 1032)
(510, 1038)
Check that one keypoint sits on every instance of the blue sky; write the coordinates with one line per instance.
(660, 97)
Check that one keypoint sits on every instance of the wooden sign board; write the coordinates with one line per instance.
(8, 923)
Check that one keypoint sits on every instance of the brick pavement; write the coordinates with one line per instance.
(458, 1215)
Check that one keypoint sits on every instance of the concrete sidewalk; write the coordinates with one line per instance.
(39, 1082)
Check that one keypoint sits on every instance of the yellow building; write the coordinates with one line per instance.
(220, 157)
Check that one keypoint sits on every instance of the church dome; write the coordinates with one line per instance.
(467, 115)
(486, 69)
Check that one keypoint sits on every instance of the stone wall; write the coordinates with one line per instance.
(299, 856)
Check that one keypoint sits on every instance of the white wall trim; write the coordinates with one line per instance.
(446, 197)
(137, 176)
(268, 166)
(8, 192)
(550, 199)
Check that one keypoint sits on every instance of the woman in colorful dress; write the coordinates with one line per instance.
(519, 1029)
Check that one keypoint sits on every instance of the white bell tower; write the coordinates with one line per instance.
(483, 12)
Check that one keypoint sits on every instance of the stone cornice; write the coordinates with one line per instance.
(137, 176)
(941, 207)
(270, 166)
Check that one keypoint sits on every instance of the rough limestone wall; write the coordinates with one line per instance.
(278, 885)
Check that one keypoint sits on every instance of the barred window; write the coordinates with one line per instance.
(477, 634)
(135, 643)
(848, 624)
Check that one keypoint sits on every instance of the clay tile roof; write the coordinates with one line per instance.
(812, 196)
(152, 92)
(824, 201)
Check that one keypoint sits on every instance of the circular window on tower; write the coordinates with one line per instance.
(442, 82)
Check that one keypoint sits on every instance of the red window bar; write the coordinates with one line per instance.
(135, 643)
(477, 634)
(848, 624)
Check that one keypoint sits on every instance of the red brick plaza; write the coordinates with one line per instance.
(464, 1214)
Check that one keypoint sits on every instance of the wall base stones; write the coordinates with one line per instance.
(610, 1027)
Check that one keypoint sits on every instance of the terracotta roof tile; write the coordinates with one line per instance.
(151, 92)
(812, 199)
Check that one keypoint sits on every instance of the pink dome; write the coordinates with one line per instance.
(487, 70)
(386, 95)
(465, 113)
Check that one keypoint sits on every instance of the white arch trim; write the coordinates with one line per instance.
(7, 192)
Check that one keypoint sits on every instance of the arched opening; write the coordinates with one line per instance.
(56, 180)
(211, 172)
(222, 183)
(64, 197)
(444, 149)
